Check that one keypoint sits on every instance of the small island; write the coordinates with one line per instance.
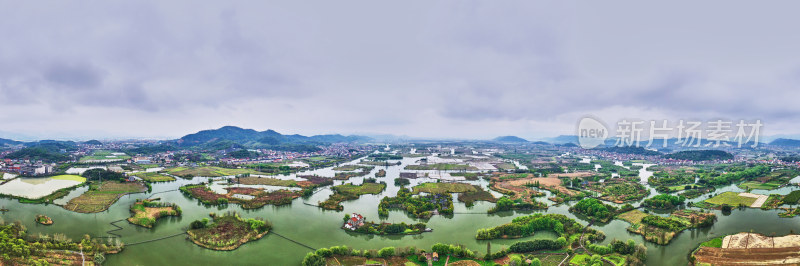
(146, 212)
(42, 219)
(357, 223)
(227, 232)
(421, 206)
(351, 192)
(661, 230)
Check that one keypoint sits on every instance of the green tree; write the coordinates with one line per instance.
(386, 252)
(312, 259)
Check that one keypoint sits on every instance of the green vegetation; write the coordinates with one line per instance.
(390, 228)
(153, 177)
(16, 248)
(103, 156)
(252, 180)
(506, 204)
(469, 198)
(146, 212)
(43, 219)
(347, 175)
(227, 232)
(750, 185)
(444, 188)
(713, 243)
(467, 175)
(731, 199)
(792, 197)
(350, 192)
(526, 226)
(384, 156)
(70, 177)
(700, 155)
(661, 230)
(258, 200)
(620, 192)
(100, 196)
(350, 167)
(210, 171)
(538, 244)
(441, 166)
(664, 201)
(696, 192)
(43, 152)
(736, 174)
(595, 209)
(419, 205)
(99, 174)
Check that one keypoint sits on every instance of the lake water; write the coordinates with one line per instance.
(321, 228)
(34, 188)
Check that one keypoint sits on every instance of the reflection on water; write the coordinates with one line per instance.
(321, 228)
(34, 188)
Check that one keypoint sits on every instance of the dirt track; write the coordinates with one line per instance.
(753, 249)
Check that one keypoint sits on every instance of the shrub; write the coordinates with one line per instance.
(324, 252)
(386, 252)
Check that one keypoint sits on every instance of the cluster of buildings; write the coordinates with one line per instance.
(26, 168)
(355, 221)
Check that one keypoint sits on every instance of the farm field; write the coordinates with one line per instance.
(732, 199)
(441, 166)
(252, 180)
(100, 197)
(759, 185)
(104, 156)
(438, 188)
(153, 177)
(210, 171)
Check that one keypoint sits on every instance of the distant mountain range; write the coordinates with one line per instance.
(231, 136)
(786, 142)
(510, 139)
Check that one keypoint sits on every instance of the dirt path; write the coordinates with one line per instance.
(760, 199)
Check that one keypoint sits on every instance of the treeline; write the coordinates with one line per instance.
(664, 223)
(385, 156)
(506, 204)
(538, 244)
(103, 174)
(593, 208)
(745, 174)
(664, 201)
(43, 152)
(317, 258)
(638, 252)
(527, 225)
(700, 155)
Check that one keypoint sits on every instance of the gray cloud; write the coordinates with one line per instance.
(442, 69)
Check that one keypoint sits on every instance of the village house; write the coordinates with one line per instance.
(355, 221)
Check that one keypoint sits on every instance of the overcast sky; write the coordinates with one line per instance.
(460, 69)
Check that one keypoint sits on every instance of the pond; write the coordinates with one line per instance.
(34, 188)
